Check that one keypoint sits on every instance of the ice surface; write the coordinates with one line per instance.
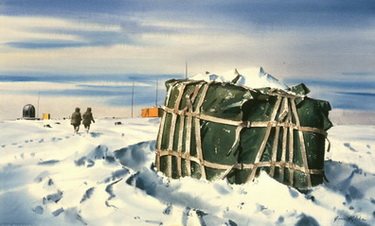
(51, 176)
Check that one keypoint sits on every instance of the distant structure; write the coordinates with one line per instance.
(152, 112)
(28, 112)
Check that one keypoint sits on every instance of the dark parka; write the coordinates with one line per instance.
(76, 118)
(87, 117)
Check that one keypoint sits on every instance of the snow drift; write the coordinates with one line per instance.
(51, 176)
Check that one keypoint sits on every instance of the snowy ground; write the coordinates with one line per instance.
(50, 176)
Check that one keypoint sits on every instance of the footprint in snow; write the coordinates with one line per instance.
(116, 175)
(56, 139)
(50, 182)
(353, 193)
(41, 176)
(95, 134)
(350, 147)
(191, 215)
(168, 210)
(55, 197)
(87, 194)
(100, 152)
(72, 215)
(57, 212)
(48, 162)
(83, 160)
(38, 210)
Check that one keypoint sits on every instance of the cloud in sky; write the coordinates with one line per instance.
(88, 37)
(329, 45)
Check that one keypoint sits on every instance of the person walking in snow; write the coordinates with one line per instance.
(87, 118)
(76, 119)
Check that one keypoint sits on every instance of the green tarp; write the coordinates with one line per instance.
(221, 130)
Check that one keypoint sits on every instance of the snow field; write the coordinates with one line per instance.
(51, 176)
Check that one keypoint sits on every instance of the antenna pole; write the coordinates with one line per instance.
(132, 100)
(186, 70)
(156, 94)
(37, 114)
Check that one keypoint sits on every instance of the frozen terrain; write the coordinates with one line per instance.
(51, 176)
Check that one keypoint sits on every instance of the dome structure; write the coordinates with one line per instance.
(28, 111)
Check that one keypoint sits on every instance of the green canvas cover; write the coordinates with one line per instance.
(214, 130)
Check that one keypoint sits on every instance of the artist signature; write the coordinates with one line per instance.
(349, 218)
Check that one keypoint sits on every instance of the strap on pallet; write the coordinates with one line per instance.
(288, 111)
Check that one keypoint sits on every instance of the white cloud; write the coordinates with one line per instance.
(171, 24)
(50, 22)
(46, 28)
(115, 84)
(290, 52)
(18, 86)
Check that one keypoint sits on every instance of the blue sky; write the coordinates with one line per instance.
(329, 45)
